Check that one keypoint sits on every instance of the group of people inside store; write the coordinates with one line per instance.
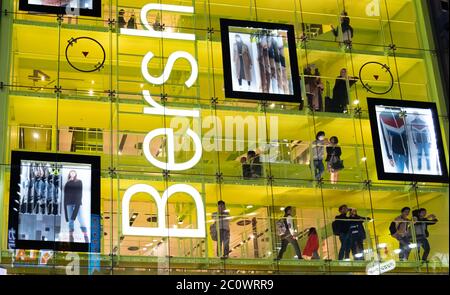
(403, 228)
(322, 149)
(348, 226)
(328, 149)
(251, 165)
(314, 87)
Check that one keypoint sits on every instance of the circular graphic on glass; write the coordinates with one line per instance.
(376, 77)
(85, 54)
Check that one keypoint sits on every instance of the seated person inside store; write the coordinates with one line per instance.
(245, 168)
(251, 166)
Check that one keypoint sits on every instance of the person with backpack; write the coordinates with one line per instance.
(399, 229)
(341, 229)
(222, 236)
(421, 223)
(312, 245)
(287, 233)
(357, 234)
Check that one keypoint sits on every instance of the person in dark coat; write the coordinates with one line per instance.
(334, 153)
(347, 30)
(343, 231)
(357, 234)
(73, 195)
(246, 173)
(254, 161)
(340, 93)
(122, 22)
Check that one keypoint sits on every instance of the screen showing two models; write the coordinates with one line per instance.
(260, 60)
(408, 140)
(55, 202)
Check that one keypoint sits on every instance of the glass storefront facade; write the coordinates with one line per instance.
(48, 105)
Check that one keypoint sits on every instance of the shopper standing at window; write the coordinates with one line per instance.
(289, 236)
(342, 229)
(422, 221)
(318, 153)
(73, 195)
(334, 163)
(222, 218)
(340, 93)
(402, 234)
(347, 30)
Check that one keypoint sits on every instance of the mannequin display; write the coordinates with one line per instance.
(25, 189)
(53, 192)
(39, 191)
(243, 61)
(44, 201)
(30, 190)
(73, 195)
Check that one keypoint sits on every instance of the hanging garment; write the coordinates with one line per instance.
(277, 65)
(242, 61)
(262, 68)
(284, 78)
(266, 62)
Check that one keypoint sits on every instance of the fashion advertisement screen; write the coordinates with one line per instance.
(52, 202)
(259, 61)
(408, 140)
(63, 3)
(75, 7)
